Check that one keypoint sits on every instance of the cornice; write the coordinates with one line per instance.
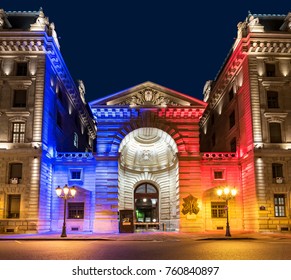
(269, 46)
(19, 83)
(275, 116)
(17, 115)
(26, 44)
(224, 78)
(14, 43)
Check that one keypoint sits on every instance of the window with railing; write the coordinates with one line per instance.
(277, 170)
(15, 171)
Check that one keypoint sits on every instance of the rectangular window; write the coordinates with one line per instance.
(77, 122)
(76, 140)
(212, 119)
(233, 145)
(213, 140)
(21, 69)
(231, 119)
(15, 170)
(59, 120)
(217, 209)
(230, 94)
(270, 70)
(18, 132)
(218, 175)
(76, 210)
(19, 98)
(275, 133)
(75, 174)
(279, 205)
(277, 170)
(13, 208)
(272, 99)
(61, 96)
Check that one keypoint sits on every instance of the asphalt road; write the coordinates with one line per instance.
(270, 249)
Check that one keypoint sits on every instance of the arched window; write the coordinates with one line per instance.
(146, 200)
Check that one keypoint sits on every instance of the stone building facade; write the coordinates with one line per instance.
(42, 114)
(248, 113)
(149, 149)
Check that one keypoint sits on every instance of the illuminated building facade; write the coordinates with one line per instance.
(248, 113)
(150, 149)
(42, 115)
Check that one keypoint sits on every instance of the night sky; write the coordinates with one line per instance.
(114, 45)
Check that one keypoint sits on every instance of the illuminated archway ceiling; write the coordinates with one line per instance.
(148, 149)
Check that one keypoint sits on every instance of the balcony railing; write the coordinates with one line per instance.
(74, 156)
(219, 156)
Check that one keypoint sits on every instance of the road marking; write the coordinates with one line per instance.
(18, 242)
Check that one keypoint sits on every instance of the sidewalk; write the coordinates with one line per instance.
(158, 236)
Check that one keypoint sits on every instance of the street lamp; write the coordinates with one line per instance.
(65, 193)
(226, 194)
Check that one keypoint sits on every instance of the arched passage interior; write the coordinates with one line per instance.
(148, 163)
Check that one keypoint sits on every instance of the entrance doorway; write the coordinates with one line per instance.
(148, 178)
(146, 206)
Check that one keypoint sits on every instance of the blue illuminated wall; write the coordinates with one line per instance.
(86, 192)
(64, 115)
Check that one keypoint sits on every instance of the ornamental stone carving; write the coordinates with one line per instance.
(149, 96)
(82, 91)
(41, 22)
(190, 205)
(146, 155)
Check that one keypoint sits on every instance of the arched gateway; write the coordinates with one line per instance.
(147, 156)
(148, 177)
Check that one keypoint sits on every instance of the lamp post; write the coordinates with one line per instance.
(65, 193)
(226, 194)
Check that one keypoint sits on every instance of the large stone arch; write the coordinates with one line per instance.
(148, 119)
(144, 106)
(149, 155)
